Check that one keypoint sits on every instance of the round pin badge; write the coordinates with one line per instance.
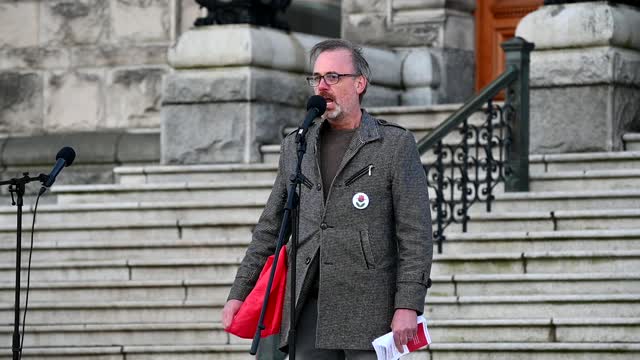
(360, 201)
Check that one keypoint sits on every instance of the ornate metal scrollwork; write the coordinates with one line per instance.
(467, 169)
(255, 12)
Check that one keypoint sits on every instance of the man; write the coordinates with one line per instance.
(365, 245)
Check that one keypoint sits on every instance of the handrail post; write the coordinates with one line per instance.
(518, 52)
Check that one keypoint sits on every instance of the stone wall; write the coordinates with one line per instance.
(88, 74)
(83, 65)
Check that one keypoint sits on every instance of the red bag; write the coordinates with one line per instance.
(245, 322)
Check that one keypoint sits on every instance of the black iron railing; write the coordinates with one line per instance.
(474, 154)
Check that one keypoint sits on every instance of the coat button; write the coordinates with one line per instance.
(307, 260)
(324, 226)
(318, 186)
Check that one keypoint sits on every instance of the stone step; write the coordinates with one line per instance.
(538, 284)
(565, 262)
(125, 291)
(593, 330)
(175, 195)
(225, 248)
(125, 270)
(270, 153)
(599, 330)
(135, 213)
(217, 291)
(121, 334)
(65, 250)
(631, 141)
(538, 163)
(480, 221)
(238, 231)
(195, 173)
(213, 228)
(586, 306)
(620, 160)
(553, 220)
(540, 180)
(532, 307)
(531, 351)
(142, 312)
(225, 269)
(136, 352)
(540, 241)
(419, 117)
(221, 192)
(585, 180)
(561, 200)
(468, 351)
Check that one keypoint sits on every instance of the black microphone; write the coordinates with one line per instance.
(64, 158)
(316, 106)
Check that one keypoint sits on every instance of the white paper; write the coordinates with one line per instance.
(386, 349)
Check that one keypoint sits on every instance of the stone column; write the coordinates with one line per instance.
(236, 87)
(585, 75)
(436, 36)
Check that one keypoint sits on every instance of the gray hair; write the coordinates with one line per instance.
(360, 64)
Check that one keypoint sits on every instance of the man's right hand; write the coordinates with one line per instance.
(229, 311)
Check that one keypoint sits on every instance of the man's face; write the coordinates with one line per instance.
(343, 97)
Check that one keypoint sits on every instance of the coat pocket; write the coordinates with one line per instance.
(367, 252)
(344, 250)
(307, 182)
(367, 170)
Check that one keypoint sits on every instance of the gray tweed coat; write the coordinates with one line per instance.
(374, 258)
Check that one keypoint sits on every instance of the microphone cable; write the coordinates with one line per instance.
(26, 303)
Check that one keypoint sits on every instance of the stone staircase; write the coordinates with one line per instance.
(140, 269)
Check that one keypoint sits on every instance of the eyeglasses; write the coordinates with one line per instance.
(329, 78)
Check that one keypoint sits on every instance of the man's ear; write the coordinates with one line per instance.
(361, 84)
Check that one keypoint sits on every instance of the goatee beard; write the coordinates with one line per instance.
(335, 114)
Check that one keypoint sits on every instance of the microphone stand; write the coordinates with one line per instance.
(291, 214)
(17, 185)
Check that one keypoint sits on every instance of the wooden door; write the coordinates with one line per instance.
(496, 21)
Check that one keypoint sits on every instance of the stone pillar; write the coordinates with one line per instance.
(436, 36)
(585, 75)
(236, 87)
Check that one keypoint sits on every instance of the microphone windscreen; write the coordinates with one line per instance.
(318, 102)
(68, 154)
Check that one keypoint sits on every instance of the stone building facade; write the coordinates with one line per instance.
(90, 73)
(93, 65)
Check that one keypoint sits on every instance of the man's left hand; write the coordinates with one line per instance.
(404, 326)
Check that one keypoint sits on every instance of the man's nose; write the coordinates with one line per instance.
(322, 85)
